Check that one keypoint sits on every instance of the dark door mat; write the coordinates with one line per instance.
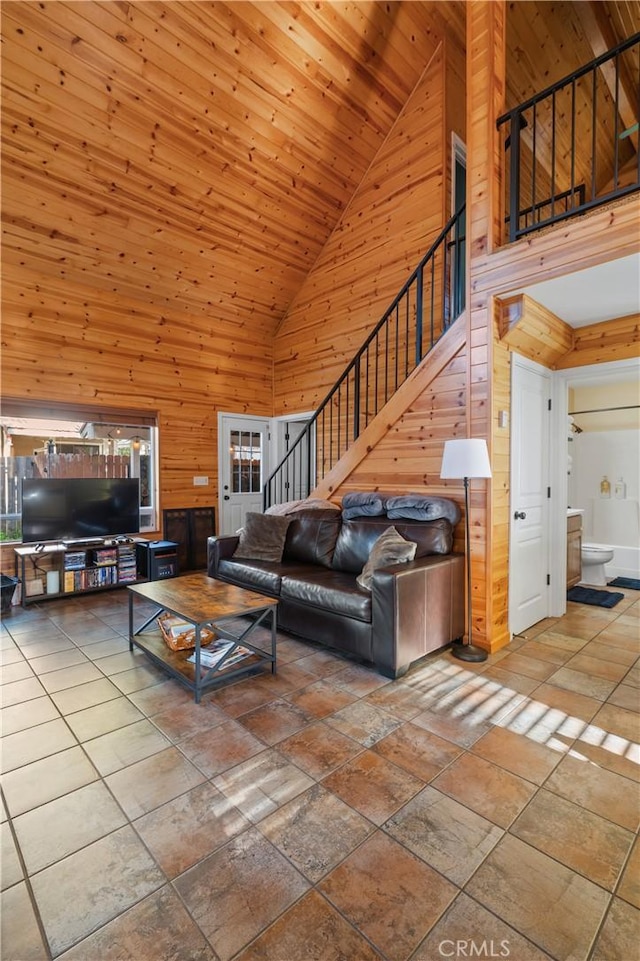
(587, 595)
(631, 583)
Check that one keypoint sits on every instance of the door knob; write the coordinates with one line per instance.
(519, 515)
(226, 497)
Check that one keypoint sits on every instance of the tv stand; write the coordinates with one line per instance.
(83, 566)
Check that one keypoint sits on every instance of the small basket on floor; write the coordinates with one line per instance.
(180, 635)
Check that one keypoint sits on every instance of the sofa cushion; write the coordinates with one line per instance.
(327, 590)
(311, 537)
(262, 537)
(390, 548)
(254, 575)
(357, 537)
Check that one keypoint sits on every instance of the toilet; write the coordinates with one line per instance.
(594, 557)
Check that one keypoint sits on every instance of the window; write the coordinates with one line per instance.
(67, 446)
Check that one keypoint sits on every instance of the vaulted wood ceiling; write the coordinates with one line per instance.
(196, 156)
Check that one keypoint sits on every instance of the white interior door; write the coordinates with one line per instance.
(529, 535)
(243, 459)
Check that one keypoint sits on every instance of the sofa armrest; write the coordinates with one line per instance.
(219, 548)
(416, 608)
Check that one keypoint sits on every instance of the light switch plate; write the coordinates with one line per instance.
(200, 481)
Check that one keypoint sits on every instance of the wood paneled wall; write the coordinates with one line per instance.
(388, 226)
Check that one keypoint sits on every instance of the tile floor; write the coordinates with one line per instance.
(486, 810)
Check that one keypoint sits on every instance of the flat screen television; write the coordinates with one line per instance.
(76, 508)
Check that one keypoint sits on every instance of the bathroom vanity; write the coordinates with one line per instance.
(574, 547)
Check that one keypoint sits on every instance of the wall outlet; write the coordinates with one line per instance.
(200, 481)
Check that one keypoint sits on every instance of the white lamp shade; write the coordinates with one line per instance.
(466, 457)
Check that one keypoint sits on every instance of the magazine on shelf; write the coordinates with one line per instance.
(212, 655)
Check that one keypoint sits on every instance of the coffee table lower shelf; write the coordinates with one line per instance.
(223, 622)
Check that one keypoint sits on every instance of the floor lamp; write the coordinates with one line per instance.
(464, 459)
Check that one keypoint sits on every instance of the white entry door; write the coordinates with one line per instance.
(243, 458)
(529, 591)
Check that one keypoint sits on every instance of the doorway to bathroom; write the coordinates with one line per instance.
(601, 440)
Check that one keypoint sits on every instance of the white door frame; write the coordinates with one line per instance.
(251, 420)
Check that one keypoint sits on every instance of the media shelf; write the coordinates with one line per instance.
(61, 570)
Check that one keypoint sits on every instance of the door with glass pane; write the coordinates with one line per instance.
(243, 459)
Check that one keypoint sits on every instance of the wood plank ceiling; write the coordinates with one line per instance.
(192, 155)
(195, 156)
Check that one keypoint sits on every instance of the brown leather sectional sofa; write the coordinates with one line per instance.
(411, 610)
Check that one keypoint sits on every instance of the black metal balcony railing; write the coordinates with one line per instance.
(574, 145)
(425, 308)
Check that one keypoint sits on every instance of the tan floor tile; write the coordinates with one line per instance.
(511, 680)
(609, 752)
(11, 872)
(70, 677)
(470, 927)
(250, 882)
(629, 887)
(316, 831)
(18, 670)
(518, 754)
(625, 696)
(363, 722)
(275, 721)
(149, 783)
(160, 920)
(444, 833)
(358, 679)
(42, 781)
(242, 697)
(388, 906)
(54, 830)
(82, 892)
(597, 667)
(567, 643)
(490, 791)
(582, 683)
(576, 706)
(320, 699)
(585, 842)
(625, 724)
(418, 751)
(545, 901)
(373, 786)
(598, 790)
(103, 718)
(84, 695)
(289, 678)
(215, 751)
(137, 678)
(55, 662)
(126, 745)
(310, 929)
(400, 700)
(318, 749)
(19, 691)
(21, 937)
(620, 935)
(609, 652)
(183, 720)
(533, 667)
(262, 784)
(20, 717)
(160, 697)
(189, 828)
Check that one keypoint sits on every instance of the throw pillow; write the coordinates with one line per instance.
(262, 537)
(390, 548)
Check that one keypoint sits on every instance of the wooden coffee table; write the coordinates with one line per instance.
(206, 603)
